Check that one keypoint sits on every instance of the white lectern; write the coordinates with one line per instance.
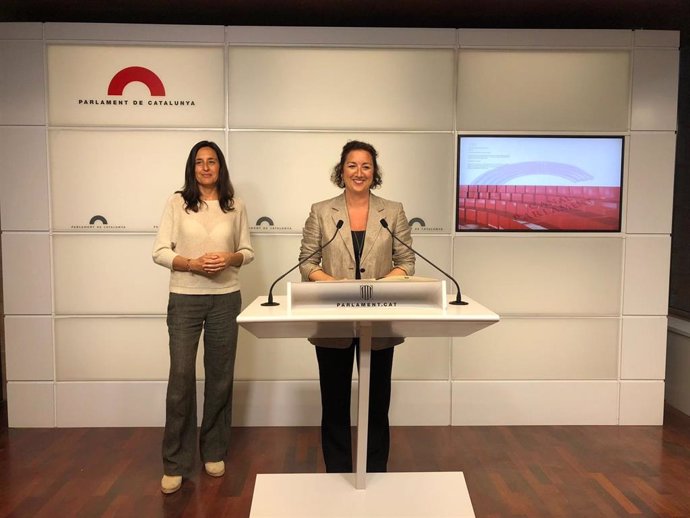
(396, 307)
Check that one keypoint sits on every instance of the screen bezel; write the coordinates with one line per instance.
(618, 229)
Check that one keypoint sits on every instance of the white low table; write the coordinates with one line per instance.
(391, 495)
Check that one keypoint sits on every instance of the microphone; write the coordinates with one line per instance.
(458, 298)
(270, 302)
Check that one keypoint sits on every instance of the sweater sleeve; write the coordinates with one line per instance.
(244, 244)
(164, 246)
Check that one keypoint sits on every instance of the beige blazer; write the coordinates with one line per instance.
(381, 253)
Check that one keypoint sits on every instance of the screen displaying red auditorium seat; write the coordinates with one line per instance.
(539, 183)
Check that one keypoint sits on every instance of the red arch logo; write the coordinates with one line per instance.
(131, 74)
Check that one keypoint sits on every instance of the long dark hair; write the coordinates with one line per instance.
(191, 194)
(356, 145)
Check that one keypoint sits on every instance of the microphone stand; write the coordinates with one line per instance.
(270, 302)
(458, 297)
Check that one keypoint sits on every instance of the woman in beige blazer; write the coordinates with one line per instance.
(363, 249)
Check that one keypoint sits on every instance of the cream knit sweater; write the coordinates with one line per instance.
(192, 234)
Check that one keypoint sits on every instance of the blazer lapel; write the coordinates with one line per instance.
(339, 211)
(376, 212)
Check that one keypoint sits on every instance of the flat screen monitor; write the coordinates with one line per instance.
(539, 183)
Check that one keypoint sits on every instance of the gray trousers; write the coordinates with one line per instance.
(187, 316)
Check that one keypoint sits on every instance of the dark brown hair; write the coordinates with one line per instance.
(356, 145)
(190, 192)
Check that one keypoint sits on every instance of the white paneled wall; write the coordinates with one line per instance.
(31, 404)
(537, 90)
(23, 93)
(111, 403)
(540, 349)
(643, 351)
(582, 336)
(649, 211)
(645, 284)
(26, 268)
(183, 72)
(534, 402)
(542, 275)
(641, 402)
(339, 88)
(138, 170)
(650, 182)
(29, 348)
(25, 145)
(133, 284)
(655, 90)
(108, 349)
(267, 164)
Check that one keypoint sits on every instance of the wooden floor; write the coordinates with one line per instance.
(529, 471)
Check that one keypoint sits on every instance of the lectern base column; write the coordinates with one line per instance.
(363, 404)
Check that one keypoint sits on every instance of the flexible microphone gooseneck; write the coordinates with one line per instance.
(458, 298)
(270, 302)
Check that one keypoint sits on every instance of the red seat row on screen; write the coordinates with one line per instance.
(479, 219)
(554, 207)
(523, 192)
(489, 220)
(566, 220)
(568, 204)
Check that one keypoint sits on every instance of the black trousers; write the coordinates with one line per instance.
(335, 377)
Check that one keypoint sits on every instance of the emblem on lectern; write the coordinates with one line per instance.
(366, 291)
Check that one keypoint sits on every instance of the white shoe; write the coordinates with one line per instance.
(171, 483)
(215, 469)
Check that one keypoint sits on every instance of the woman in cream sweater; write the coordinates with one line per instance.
(203, 239)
